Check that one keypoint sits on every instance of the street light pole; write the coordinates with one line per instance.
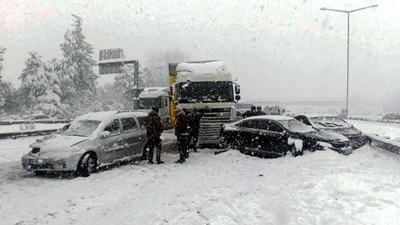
(348, 47)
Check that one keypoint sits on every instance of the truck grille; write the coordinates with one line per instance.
(210, 124)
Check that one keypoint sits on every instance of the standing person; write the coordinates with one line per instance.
(194, 124)
(259, 111)
(182, 134)
(154, 129)
(250, 113)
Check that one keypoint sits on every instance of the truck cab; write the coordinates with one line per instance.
(156, 97)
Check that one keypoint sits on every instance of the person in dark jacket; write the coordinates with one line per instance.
(154, 129)
(250, 113)
(182, 134)
(259, 111)
(194, 124)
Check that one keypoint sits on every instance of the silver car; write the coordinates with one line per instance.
(90, 141)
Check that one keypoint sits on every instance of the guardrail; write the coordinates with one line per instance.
(374, 120)
(390, 145)
(12, 122)
(27, 133)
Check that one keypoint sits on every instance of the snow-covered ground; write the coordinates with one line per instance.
(323, 187)
(389, 130)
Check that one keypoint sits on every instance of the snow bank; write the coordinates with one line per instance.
(230, 188)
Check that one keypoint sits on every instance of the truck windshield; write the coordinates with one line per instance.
(220, 91)
(147, 103)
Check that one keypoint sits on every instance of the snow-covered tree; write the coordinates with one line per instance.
(3, 86)
(124, 80)
(2, 51)
(77, 66)
(40, 90)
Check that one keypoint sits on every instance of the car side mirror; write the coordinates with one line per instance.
(105, 134)
(237, 97)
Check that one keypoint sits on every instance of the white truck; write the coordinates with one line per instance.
(156, 97)
(199, 84)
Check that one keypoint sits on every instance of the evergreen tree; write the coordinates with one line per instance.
(33, 81)
(40, 90)
(124, 80)
(2, 51)
(77, 66)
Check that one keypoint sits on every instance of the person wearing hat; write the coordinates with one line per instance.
(182, 133)
(154, 129)
(250, 113)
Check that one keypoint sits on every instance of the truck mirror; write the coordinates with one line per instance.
(237, 89)
(237, 97)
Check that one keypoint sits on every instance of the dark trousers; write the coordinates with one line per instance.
(154, 143)
(195, 136)
(182, 146)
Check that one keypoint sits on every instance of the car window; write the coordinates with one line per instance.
(142, 122)
(296, 126)
(269, 126)
(303, 119)
(113, 127)
(129, 124)
(249, 124)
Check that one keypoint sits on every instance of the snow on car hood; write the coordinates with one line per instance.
(57, 143)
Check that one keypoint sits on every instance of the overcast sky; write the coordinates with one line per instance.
(276, 49)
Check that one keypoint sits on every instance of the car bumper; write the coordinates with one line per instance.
(35, 163)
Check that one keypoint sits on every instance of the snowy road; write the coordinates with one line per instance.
(230, 188)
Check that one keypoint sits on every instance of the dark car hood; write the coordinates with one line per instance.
(324, 135)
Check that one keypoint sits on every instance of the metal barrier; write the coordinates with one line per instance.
(27, 133)
(12, 122)
(390, 145)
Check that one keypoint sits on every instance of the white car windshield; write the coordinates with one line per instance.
(296, 126)
(329, 121)
(82, 128)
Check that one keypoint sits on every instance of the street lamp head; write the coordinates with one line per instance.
(375, 5)
(323, 8)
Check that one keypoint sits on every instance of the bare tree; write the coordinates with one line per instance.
(155, 73)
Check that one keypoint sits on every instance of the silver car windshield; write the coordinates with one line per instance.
(82, 128)
(296, 126)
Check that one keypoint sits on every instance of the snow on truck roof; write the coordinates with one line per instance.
(201, 67)
(278, 118)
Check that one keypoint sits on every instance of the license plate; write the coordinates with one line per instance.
(33, 161)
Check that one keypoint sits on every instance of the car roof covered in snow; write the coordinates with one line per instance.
(270, 117)
(317, 115)
(107, 115)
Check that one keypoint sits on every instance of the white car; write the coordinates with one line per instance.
(90, 141)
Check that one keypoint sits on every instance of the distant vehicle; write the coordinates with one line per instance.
(157, 97)
(243, 107)
(391, 116)
(90, 141)
(335, 124)
(273, 110)
(275, 136)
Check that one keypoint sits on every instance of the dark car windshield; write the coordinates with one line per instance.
(147, 103)
(82, 128)
(296, 126)
(329, 121)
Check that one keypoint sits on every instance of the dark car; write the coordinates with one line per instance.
(275, 136)
(336, 124)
